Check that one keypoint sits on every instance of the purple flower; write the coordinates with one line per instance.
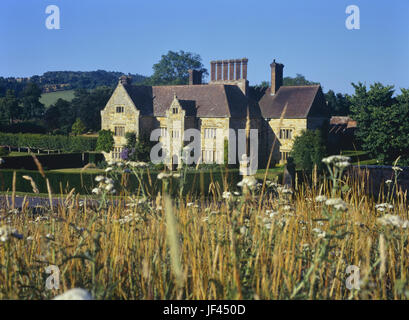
(125, 154)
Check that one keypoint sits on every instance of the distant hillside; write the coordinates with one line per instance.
(67, 80)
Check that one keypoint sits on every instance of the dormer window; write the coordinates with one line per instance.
(120, 109)
(175, 110)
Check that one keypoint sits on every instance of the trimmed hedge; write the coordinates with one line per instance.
(48, 142)
(196, 182)
(52, 161)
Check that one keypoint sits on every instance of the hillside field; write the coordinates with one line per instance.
(50, 98)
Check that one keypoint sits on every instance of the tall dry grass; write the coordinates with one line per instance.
(216, 248)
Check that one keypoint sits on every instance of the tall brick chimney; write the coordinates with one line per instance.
(225, 69)
(219, 70)
(276, 76)
(212, 70)
(238, 69)
(231, 76)
(195, 77)
(244, 67)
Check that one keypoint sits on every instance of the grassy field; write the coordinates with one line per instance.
(50, 98)
(266, 242)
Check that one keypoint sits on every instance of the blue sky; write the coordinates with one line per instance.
(309, 37)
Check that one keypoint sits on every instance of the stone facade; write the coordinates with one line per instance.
(217, 109)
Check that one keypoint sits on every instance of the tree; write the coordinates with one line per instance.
(338, 104)
(32, 107)
(9, 108)
(173, 68)
(78, 127)
(105, 141)
(137, 148)
(87, 106)
(383, 129)
(299, 80)
(308, 150)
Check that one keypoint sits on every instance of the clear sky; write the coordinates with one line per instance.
(309, 37)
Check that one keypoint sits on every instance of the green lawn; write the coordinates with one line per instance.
(78, 170)
(50, 98)
(18, 154)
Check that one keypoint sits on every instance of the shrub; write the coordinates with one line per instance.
(48, 142)
(4, 152)
(308, 150)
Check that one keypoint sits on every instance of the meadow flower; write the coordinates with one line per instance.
(226, 195)
(108, 169)
(392, 220)
(6, 232)
(189, 204)
(109, 187)
(99, 178)
(164, 175)
(336, 159)
(249, 181)
(1, 161)
(388, 181)
(320, 198)
(96, 191)
(396, 168)
(74, 294)
(342, 164)
(243, 230)
(383, 206)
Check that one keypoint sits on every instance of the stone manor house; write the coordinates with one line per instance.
(280, 113)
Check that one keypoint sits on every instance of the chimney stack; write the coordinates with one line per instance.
(219, 70)
(238, 69)
(212, 70)
(276, 76)
(244, 62)
(225, 70)
(195, 77)
(125, 80)
(231, 76)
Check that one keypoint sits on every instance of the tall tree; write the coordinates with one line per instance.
(339, 104)
(173, 68)
(382, 121)
(32, 107)
(9, 108)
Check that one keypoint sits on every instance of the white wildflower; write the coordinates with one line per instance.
(109, 169)
(164, 175)
(109, 187)
(99, 178)
(320, 198)
(226, 195)
(96, 191)
(389, 181)
(74, 294)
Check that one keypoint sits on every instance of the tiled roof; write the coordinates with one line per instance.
(299, 99)
(215, 100)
